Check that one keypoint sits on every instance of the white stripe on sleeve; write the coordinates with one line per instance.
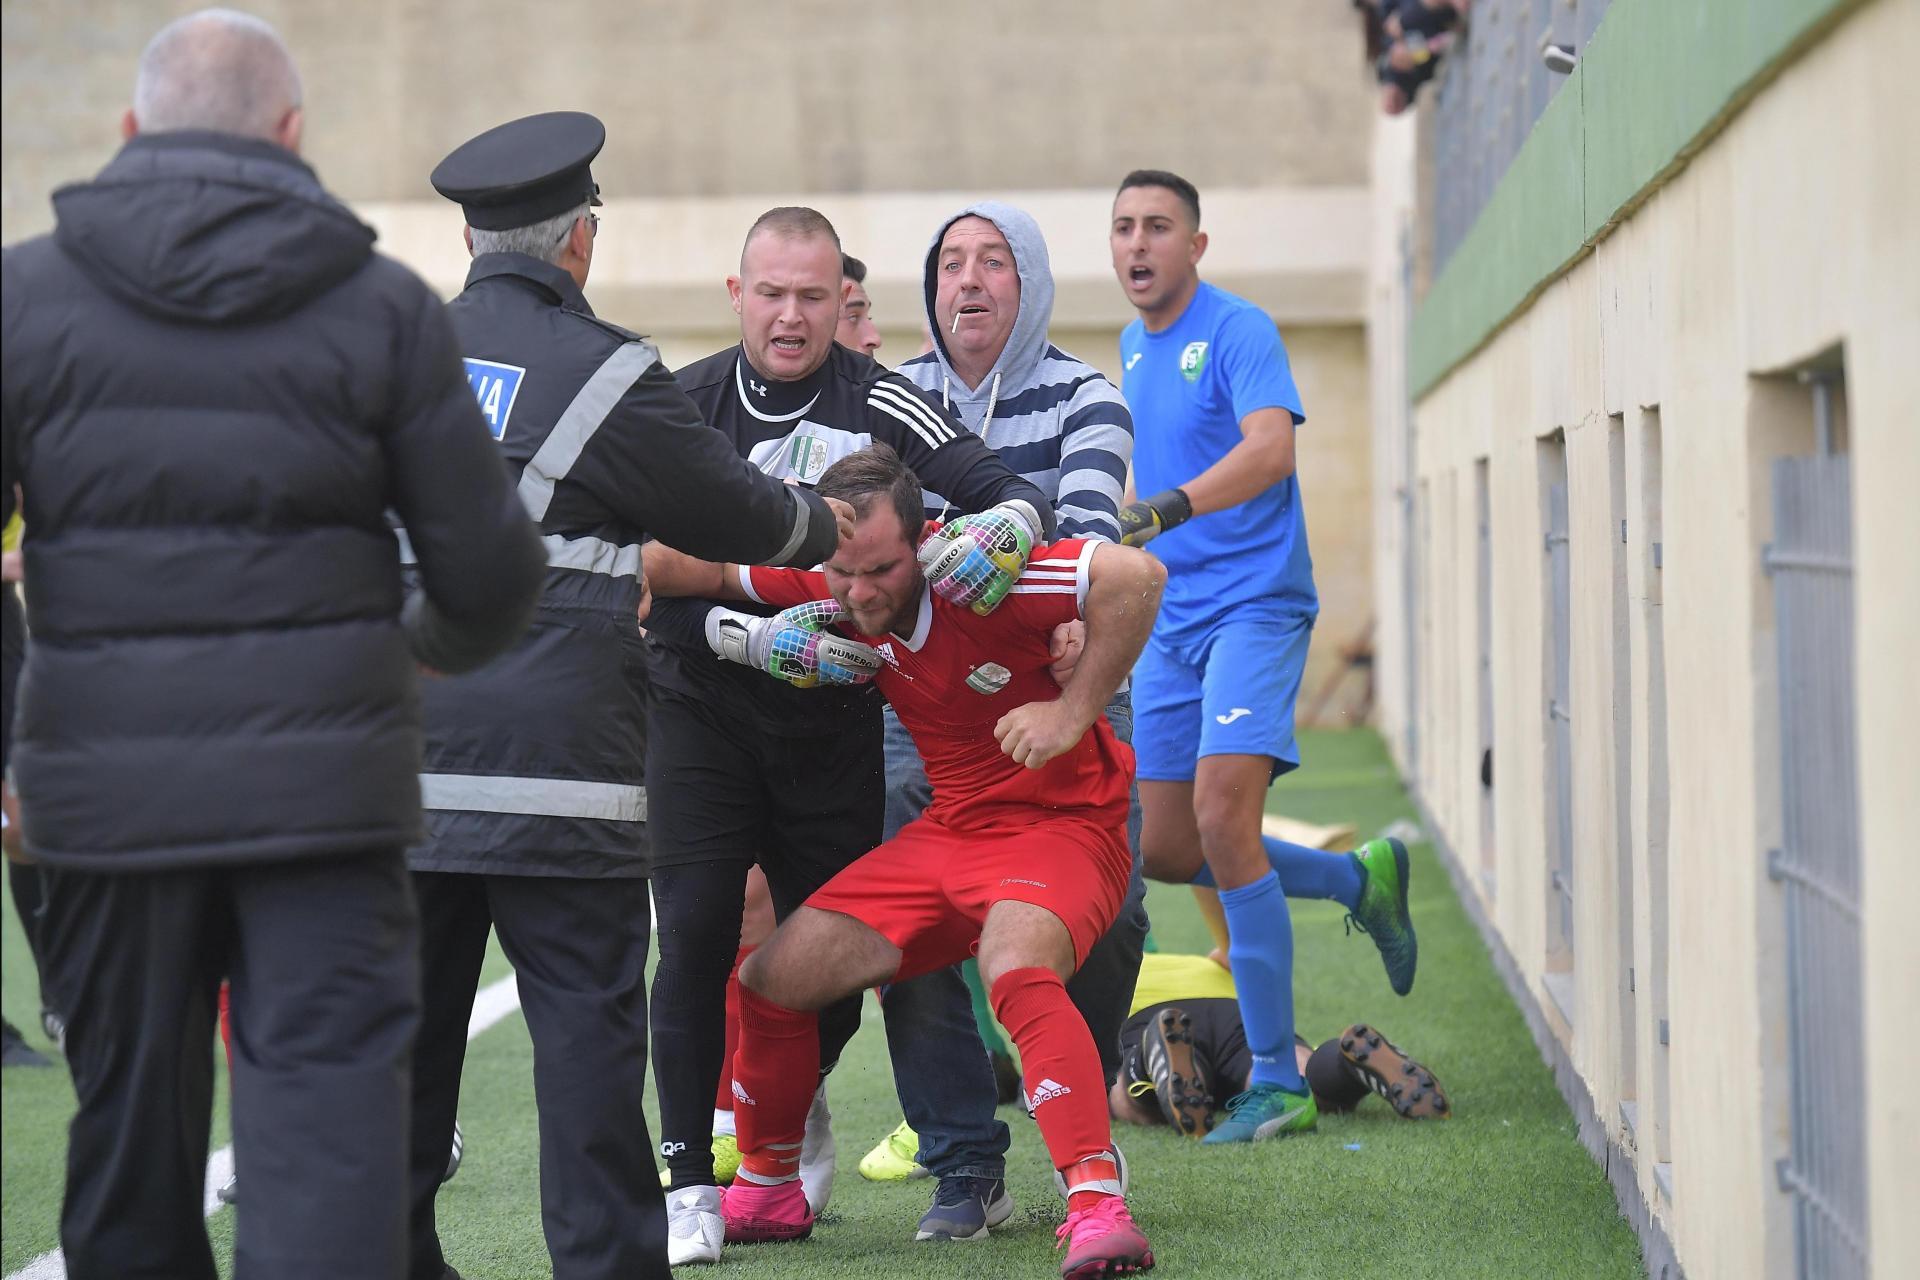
(913, 424)
(746, 582)
(913, 405)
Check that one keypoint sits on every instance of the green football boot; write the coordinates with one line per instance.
(1382, 911)
(1266, 1111)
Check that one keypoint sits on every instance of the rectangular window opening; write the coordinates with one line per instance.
(1654, 805)
(1557, 570)
(1483, 626)
(1619, 643)
(1423, 645)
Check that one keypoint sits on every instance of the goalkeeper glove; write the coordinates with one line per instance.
(792, 646)
(976, 560)
(1146, 520)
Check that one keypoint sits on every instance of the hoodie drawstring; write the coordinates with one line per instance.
(993, 400)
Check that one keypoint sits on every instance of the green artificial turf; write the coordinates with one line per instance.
(1502, 1189)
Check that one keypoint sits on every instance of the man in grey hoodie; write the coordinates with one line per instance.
(1061, 424)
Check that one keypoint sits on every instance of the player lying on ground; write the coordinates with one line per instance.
(1023, 852)
(1185, 1048)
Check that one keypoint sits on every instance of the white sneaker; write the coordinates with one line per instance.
(817, 1152)
(695, 1228)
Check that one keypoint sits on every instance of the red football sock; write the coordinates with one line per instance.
(226, 1024)
(723, 1096)
(775, 1072)
(1062, 1070)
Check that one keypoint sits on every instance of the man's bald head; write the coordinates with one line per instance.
(790, 222)
(221, 70)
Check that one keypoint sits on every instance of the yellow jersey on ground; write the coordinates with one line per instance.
(1165, 978)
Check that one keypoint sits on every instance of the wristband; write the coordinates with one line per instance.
(1174, 506)
(1141, 521)
(730, 633)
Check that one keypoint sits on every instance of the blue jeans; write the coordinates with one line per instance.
(940, 1066)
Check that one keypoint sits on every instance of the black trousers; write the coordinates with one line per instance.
(722, 796)
(325, 997)
(579, 953)
(29, 895)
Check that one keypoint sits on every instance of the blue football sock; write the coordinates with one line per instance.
(1314, 873)
(1262, 955)
(1304, 873)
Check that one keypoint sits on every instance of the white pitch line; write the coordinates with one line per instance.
(492, 1003)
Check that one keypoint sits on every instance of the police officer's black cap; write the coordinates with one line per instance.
(521, 172)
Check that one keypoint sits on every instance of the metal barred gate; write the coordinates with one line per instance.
(1559, 712)
(1818, 863)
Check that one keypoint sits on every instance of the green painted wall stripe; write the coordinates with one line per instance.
(1657, 81)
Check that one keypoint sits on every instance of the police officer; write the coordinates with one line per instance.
(742, 769)
(536, 820)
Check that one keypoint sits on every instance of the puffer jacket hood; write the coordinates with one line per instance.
(209, 228)
(1019, 362)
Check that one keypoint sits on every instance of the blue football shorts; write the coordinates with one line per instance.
(1230, 691)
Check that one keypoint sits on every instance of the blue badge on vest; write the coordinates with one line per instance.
(494, 386)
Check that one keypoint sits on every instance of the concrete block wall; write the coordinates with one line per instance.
(1663, 359)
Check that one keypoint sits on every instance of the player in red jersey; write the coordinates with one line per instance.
(1022, 855)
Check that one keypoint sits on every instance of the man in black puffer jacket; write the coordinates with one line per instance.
(213, 391)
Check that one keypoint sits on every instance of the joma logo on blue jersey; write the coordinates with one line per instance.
(494, 386)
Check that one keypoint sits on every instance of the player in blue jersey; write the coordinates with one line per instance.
(1215, 409)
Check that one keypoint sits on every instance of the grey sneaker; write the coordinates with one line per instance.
(16, 1052)
(964, 1208)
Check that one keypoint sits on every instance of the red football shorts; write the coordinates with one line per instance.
(928, 889)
